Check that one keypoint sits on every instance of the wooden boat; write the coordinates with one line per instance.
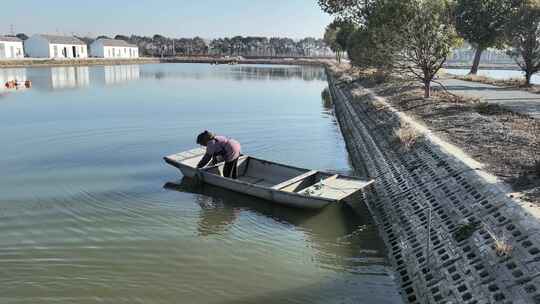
(283, 184)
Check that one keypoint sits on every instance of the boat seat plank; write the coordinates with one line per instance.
(294, 180)
(333, 177)
(335, 188)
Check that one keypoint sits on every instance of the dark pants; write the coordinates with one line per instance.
(230, 169)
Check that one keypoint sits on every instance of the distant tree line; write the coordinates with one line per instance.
(161, 46)
(158, 45)
(236, 46)
(417, 36)
(262, 46)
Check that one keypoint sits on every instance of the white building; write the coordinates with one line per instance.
(51, 46)
(11, 47)
(113, 48)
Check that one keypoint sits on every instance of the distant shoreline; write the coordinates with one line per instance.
(47, 62)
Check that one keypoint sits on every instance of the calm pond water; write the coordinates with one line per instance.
(85, 216)
(496, 74)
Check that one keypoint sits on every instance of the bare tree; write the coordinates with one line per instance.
(524, 37)
(427, 40)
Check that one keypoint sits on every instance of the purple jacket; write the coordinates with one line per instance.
(227, 148)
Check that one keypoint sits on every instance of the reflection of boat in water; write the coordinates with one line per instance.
(340, 233)
(214, 198)
(282, 184)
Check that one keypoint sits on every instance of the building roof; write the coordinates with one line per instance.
(63, 39)
(116, 42)
(10, 39)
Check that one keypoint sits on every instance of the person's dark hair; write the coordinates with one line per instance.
(204, 137)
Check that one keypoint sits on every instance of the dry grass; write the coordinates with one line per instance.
(378, 105)
(502, 245)
(407, 136)
(511, 82)
(485, 108)
(508, 143)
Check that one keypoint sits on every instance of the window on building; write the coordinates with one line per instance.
(55, 51)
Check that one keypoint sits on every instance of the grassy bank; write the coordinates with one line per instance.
(506, 142)
(512, 83)
(483, 66)
(241, 60)
(21, 63)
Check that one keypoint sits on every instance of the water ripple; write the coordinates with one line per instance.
(85, 219)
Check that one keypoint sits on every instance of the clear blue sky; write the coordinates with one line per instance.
(180, 18)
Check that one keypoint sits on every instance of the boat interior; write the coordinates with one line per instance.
(285, 178)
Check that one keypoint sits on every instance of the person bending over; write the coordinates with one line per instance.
(218, 147)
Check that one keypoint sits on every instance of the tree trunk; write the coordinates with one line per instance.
(476, 61)
(427, 89)
(528, 76)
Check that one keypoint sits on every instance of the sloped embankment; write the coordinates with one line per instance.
(454, 235)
